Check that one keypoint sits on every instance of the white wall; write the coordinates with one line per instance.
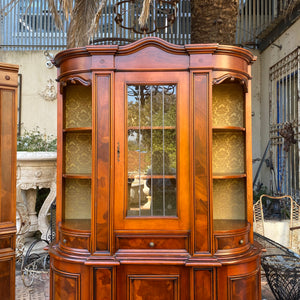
(289, 41)
(36, 111)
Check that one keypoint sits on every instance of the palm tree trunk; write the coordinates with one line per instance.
(214, 21)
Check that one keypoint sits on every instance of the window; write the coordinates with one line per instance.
(284, 128)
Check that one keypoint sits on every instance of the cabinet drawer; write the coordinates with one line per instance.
(9, 78)
(78, 242)
(7, 243)
(152, 242)
(232, 243)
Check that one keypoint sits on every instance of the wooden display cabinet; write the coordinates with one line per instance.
(154, 194)
(8, 159)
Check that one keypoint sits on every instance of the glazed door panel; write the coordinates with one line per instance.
(151, 151)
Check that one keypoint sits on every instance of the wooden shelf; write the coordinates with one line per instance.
(229, 128)
(77, 224)
(150, 127)
(153, 176)
(229, 224)
(78, 176)
(78, 129)
(228, 176)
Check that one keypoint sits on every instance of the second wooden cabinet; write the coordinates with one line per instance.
(154, 174)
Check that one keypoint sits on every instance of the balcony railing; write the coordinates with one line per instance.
(25, 27)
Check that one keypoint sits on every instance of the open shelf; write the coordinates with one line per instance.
(228, 129)
(78, 129)
(229, 157)
(77, 106)
(78, 176)
(228, 224)
(228, 153)
(152, 176)
(78, 153)
(149, 127)
(228, 176)
(229, 199)
(77, 199)
(228, 106)
(77, 224)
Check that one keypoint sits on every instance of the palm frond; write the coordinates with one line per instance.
(81, 18)
(145, 13)
(95, 22)
(67, 6)
(8, 7)
(54, 11)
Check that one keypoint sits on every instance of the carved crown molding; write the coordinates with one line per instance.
(73, 80)
(233, 77)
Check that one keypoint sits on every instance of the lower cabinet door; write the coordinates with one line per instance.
(244, 287)
(240, 280)
(69, 280)
(7, 278)
(135, 282)
(66, 285)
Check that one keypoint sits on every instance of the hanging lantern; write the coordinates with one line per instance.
(145, 16)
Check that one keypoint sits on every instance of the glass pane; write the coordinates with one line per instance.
(151, 150)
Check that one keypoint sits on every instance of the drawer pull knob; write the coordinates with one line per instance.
(7, 77)
(151, 244)
(64, 241)
(241, 242)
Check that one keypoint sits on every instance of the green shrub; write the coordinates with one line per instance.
(35, 140)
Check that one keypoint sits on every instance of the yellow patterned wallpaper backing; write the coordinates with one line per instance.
(228, 154)
(78, 106)
(228, 105)
(78, 153)
(229, 199)
(77, 198)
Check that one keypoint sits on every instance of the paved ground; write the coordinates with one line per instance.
(40, 289)
(266, 293)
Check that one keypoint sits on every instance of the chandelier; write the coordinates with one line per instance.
(145, 16)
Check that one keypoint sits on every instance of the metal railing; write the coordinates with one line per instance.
(27, 27)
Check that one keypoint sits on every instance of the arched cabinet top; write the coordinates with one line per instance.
(155, 54)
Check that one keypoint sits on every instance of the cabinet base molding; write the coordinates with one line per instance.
(209, 277)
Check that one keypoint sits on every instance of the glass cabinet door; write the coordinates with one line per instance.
(151, 148)
(148, 163)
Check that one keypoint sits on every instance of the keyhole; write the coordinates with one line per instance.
(118, 152)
